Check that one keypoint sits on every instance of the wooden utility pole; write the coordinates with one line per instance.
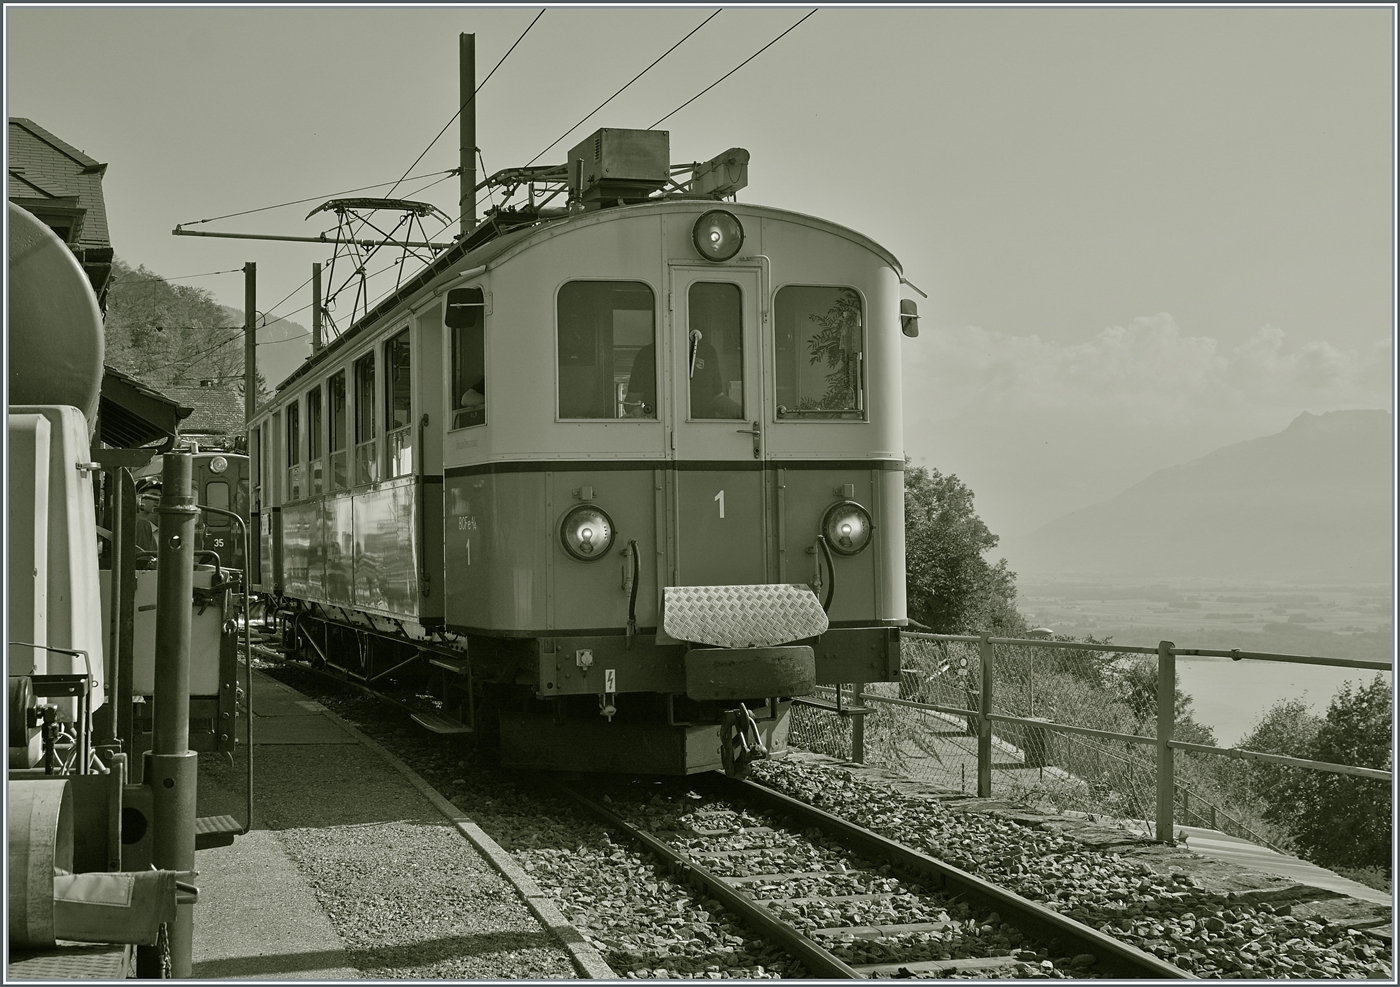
(467, 68)
(315, 308)
(250, 344)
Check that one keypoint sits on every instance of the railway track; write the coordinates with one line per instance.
(847, 903)
(704, 877)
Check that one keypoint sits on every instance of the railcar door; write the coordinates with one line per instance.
(716, 417)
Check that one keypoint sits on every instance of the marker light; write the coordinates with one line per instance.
(218, 464)
(587, 532)
(847, 527)
(718, 235)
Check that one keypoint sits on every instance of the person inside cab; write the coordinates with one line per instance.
(147, 521)
(708, 399)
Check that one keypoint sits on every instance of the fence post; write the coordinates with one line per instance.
(1166, 723)
(984, 723)
(858, 724)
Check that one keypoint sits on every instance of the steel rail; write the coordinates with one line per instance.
(1115, 958)
(819, 962)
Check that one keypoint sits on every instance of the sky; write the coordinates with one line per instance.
(1144, 233)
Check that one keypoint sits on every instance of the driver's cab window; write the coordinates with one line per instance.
(607, 350)
(465, 317)
(715, 351)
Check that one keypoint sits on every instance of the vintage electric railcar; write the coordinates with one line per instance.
(220, 480)
(623, 480)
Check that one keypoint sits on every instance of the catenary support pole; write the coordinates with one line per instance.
(1166, 724)
(466, 61)
(171, 767)
(316, 341)
(250, 342)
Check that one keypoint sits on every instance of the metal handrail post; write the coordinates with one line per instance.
(171, 767)
(1166, 725)
(984, 720)
(858, 724)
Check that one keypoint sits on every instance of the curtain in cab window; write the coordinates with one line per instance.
(819, 345)
(607, 350)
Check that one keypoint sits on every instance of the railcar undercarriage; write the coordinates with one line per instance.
(694, 711)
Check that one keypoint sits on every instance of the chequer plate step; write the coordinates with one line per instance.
(752, 616)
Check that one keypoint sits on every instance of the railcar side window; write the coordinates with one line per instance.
(335, 393)
(366, 462)
(715, 350)
(464, 315)
(819, 344)
(314, 441)
(296, 488)
(398, 406)
(607, 350)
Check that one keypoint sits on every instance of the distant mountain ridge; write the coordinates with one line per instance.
(1310, 502)
(282, 346)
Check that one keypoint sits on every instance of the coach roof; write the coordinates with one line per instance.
(463, 256)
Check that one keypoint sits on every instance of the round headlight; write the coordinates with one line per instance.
(718, 235)
(587, 532)
(847, 527)
(218, 464)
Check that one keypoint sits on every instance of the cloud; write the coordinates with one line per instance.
(1148, 370)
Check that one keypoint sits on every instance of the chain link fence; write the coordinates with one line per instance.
(1096, 753)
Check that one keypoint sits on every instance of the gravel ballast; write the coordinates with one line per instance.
(1168, 912)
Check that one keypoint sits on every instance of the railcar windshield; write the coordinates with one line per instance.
(607, 350)
(464, 315)
(819, 344)
(715, 353)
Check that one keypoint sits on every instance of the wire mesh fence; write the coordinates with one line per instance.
(926, 726)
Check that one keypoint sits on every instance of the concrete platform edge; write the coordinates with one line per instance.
(586, 959)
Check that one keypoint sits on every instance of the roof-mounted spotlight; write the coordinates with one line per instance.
(718, 235)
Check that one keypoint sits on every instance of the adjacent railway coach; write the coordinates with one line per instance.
(622, 479)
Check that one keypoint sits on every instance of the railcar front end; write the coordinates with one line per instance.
(624, 482)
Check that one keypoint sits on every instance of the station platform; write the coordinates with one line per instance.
(351, 871)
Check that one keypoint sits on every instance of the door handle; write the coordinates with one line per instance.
(757, 435)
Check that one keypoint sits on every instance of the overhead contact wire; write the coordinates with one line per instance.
(731, 71)
(634, 79)
(469, 100)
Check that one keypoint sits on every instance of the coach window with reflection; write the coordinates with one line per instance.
(398, 405)
(607, 350)
(464, 315)
(335, 394)
(314, 442)
(819, 350)
(295, 488)
(366, 462)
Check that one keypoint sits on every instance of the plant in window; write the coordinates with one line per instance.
(838, 345)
